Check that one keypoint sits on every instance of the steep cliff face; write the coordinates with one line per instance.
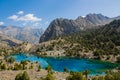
(62, 26)
(59, 27)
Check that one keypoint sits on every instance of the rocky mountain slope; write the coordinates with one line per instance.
(62, 26)
(7, 42)
(24, 34)
(102, 43)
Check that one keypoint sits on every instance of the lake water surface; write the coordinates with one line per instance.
(74, 64)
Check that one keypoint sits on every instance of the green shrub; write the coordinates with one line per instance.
(11, 60)
(49, 68)
(49, 77)
(23, 62)
(39, 68)
(31, 67)
(18, 66)
(65, 69)
(86, 72)
(72, 72)
(22, 76)
(109, 77)
(18, 76)
(3, 67)
(118, 59)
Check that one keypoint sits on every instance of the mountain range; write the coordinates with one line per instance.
(6, 41)
(58, 27)
(61, 26)
(22, 33)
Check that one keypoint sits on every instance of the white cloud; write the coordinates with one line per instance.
(20, 12)
(26, 18)
(1, 23)
(13, 17)
(29, 17)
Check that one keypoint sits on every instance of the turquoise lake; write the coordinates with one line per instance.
(74, 64)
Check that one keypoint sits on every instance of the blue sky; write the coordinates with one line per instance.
(39, 13)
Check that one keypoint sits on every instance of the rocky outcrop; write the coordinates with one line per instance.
(62, 26)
